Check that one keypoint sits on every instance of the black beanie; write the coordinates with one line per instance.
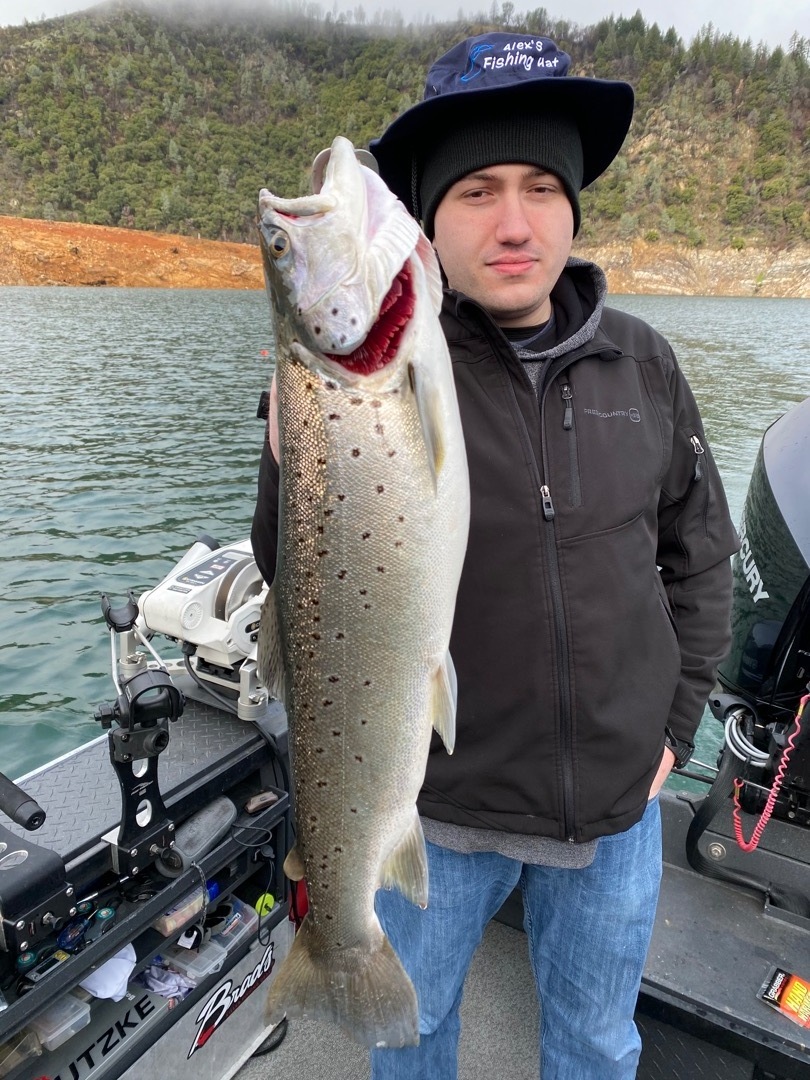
(549, 141)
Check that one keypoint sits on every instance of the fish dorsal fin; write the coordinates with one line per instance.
(269, 656)
(445, 697)
(406, 867)
(431, 420)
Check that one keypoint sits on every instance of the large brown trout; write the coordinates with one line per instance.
(373, 519)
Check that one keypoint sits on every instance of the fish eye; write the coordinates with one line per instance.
(278, 244)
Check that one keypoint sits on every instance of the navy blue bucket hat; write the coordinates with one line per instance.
(497, 77)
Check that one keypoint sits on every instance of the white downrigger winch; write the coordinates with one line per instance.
(210, 606)
(210, 603)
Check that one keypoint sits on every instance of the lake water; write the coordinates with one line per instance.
(129, 427)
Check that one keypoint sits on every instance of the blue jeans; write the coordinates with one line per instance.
(588, 933)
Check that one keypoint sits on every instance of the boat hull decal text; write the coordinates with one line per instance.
(226, 998)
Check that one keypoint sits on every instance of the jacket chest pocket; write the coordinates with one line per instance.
(606, 447)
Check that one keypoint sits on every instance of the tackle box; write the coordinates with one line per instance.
(60, 1021)
(240, 925)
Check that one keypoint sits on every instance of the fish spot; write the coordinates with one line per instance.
(334, 416)
(330, 385)
(334, 311)
(317, 329)
(328, 916)
(339, 636)
(364, 722)
(337, 734)
(328, 513)
(397, 543)
(315, 636)
(380, 569)
(319, 750)
(326, 703)
(376, 404)
(380, 489)
(400, 518)
(341, 498)
(353, 320)
(342, 574)
(319, 530)
(334, 678)
(366, 607)
(365, 535)
(322, 553)
(363, 592)
(355, 452)
(358, 757)
(321, 460)
(315, 601)
(379, 428)
(392, 453)
(322, 783)
(316, 618)
(367, 682)
(338, 850)
(342, 339)
(356, 401)
(353, 809)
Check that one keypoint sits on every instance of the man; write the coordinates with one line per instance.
(583, 668)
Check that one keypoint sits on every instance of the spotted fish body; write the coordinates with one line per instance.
(373, 519)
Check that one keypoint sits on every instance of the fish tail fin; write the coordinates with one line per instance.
(367, 992)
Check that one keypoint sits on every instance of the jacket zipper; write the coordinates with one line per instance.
(697, 446)
(567, 395)
(555, 581)
(558, 609)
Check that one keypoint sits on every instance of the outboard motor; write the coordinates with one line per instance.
(767, 671)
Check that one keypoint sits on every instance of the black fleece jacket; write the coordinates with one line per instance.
(594, 602)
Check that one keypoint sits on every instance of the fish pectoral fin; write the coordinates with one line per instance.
(406, 867)
(269, 655)
(294, 864)
(429, 411)
(445, 697)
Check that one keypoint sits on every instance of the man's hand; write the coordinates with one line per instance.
(664, 769)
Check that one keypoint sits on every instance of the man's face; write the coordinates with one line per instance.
(503, 235)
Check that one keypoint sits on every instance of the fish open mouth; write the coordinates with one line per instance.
(383, 339)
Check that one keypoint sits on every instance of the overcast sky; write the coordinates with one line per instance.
(773, 22)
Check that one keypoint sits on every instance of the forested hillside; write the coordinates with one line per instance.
(150, 118)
